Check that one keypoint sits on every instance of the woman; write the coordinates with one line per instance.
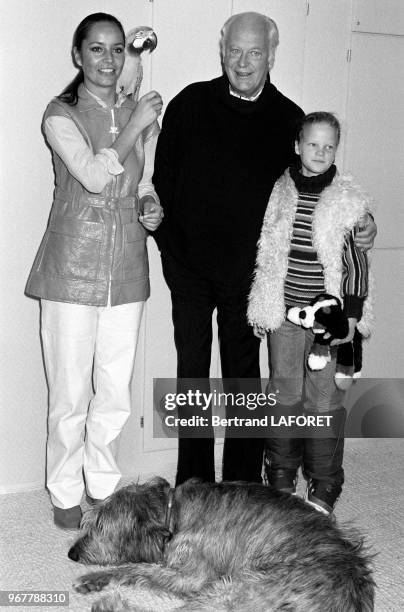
(91, 270)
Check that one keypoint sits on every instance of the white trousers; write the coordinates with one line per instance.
(89, 353)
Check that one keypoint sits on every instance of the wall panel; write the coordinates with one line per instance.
(386, 17)
(375, 128)
(188, 50)
(325, 56)
(383, 354)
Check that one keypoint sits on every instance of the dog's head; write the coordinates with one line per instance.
(128, 527)
(324, 314)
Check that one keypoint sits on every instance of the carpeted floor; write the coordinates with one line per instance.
(33, 551)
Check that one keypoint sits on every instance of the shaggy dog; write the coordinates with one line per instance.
(217, 547)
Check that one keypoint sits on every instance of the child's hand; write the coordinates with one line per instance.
(259, 332)
(352, 324)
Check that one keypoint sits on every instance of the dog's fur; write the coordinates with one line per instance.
(228, 546)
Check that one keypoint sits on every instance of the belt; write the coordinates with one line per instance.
(113, 203)
(109, 202)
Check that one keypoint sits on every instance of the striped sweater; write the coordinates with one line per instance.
(305, 276)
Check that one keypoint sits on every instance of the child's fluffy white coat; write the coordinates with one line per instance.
(340, 207)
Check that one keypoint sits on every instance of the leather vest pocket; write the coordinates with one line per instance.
(72, 249)
(135, 260)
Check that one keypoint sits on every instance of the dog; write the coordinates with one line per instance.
(225, 546)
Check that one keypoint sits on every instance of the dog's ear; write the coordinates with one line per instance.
(153, 541)
(146, 545)
(293, 315)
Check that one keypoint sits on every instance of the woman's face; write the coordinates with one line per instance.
(101, 56)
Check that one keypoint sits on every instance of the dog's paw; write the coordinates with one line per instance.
(111, 603)
(96, 581)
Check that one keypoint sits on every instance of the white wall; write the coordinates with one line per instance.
(35, 38)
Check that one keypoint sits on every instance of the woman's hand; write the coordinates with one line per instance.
(352, 324)
(147, 110)
(259, 332)
(152, 214)
(365, 238)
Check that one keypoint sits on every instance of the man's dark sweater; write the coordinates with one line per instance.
(217, 160)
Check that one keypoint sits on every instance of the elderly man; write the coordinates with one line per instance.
(222, 146)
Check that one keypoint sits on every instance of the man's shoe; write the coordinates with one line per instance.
(282, 480)
(67, 518)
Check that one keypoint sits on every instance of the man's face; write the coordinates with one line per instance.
(246, 57)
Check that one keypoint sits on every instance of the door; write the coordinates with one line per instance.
(374, 153)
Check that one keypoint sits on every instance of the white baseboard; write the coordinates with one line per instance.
(154, 463)
(22, 487)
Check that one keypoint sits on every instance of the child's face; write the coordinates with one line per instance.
(317, 148)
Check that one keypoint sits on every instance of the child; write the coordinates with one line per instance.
(307, 248)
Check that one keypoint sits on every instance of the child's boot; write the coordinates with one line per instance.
(283, 455)
(322, 465)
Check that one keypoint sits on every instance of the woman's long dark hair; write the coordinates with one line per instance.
(69, 94)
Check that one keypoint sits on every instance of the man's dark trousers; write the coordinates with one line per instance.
(194, 299)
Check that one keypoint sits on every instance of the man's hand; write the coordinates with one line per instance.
(365, 238)
(152, 214)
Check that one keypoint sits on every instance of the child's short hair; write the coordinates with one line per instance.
(320, 117)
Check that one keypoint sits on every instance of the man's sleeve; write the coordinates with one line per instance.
(293, 130)
(165, 162)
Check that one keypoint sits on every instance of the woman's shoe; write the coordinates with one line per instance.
(92, 501)
(67, 518)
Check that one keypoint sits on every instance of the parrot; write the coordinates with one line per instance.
(139, 39)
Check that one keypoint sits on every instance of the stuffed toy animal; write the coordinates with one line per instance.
(141, 38)
(325, 317)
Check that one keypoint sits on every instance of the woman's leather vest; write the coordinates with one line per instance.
(94, 242)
